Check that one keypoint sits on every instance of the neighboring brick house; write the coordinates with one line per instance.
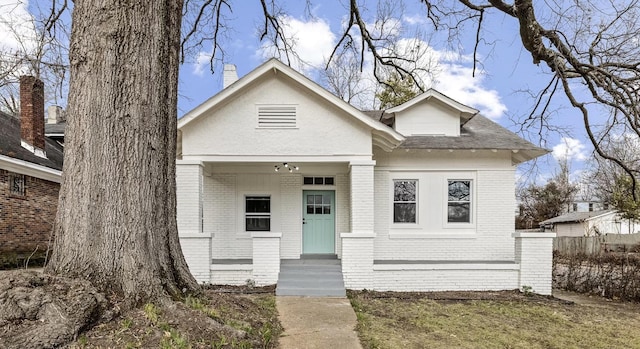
(30, 174)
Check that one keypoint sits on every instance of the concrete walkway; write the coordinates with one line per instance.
(317, 322)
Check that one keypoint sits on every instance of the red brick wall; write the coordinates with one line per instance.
(26, 222)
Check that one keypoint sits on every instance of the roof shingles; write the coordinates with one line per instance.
(10, 145)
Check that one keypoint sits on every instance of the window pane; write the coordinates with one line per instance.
(308, 180)
(309, 199)
(255, 204)
(404, 191)
(459, 190)
(326, 199)
(459, 212)
(318, 180)
(319, 210)
(404, 213)
(326, 209)
(258, 223)
(328, 180)
(309, 209)
(318, 199)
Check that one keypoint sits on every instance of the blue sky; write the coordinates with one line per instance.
(505, 68)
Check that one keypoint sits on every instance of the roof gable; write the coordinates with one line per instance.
(382, 135)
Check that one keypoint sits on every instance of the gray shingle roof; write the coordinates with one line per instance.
(575, 217)
(10, 145)
(478, 133)
(55, 128)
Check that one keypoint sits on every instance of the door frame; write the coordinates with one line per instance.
(335, 220)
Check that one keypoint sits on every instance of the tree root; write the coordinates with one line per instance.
(42, 311)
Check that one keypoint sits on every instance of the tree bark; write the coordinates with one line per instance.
(116, 222)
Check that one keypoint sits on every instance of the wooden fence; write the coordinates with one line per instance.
(596, 244)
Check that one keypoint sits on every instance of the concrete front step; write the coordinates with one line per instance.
(311, 278)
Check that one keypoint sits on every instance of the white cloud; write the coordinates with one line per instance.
(415, 19)
(447, 71)
(570, 149)
(457, 82)
(16, 24)
(203, 60)
(312, 41)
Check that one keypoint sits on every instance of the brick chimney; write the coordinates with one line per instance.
(32, 114)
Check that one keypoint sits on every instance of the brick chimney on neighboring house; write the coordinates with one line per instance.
(32, 114)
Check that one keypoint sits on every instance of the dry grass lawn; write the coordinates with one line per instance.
(492, 320)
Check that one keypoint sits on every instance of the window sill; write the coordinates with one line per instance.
(426, 235)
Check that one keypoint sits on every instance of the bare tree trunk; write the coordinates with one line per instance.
(116, 223)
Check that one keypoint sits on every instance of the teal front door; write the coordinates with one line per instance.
(318, 221)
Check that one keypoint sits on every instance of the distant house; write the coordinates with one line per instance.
(418, 197)
(30, 173)
(593, 223)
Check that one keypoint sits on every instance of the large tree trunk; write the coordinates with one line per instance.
(116, 223)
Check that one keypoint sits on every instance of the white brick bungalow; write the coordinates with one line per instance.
(419, 197)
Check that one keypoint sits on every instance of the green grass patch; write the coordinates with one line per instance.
(385, 321)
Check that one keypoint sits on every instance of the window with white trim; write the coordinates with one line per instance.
(459, 201)
(277, 116)
(258, 213)
(405, 201)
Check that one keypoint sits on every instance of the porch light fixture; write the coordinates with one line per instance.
(286, 166)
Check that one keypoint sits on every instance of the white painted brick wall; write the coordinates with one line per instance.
(266, 258)
(291, 211)
(228, 276)
(188, 196)
(362, 196)
(197, 253)
(494, 226)
(223, 208)
(534, 254)
(357, 260)
(445, 280)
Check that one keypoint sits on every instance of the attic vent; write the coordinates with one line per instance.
(276, 116)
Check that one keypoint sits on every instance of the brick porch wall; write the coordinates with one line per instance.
(26, 222)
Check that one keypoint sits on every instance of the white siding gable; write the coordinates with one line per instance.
(429, 117)
(275, 116)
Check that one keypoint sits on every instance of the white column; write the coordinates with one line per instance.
(266, 257)
(357, 260)
(189, 196)
(357, 246)
(534, 253)
(196, 246)
(362, 196)
(196, 249)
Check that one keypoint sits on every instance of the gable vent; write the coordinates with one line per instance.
(277, 116)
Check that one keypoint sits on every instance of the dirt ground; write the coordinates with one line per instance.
(248, 318)
(41, 311)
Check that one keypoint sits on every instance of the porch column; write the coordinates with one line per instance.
(189, 195)
(534, 253)
(196, 246)
(362, 196)
(266, 257)
(357, 246)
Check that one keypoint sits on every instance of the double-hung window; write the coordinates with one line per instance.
(405, 201)
(258, 213)
(459, 201)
